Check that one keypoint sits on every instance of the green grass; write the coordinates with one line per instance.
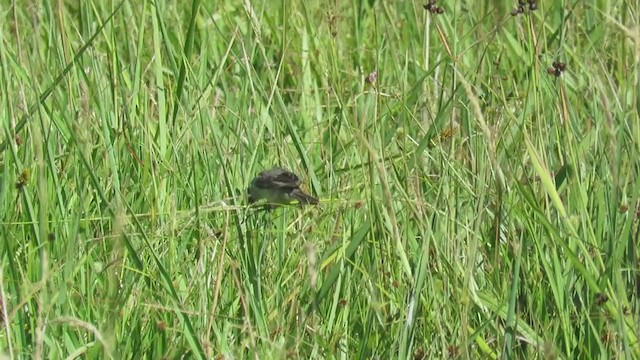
(472, 204)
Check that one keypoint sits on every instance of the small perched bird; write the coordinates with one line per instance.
(278, 186)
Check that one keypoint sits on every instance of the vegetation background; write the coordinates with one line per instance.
(477, 163)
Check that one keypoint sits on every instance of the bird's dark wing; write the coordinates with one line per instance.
(277, 178)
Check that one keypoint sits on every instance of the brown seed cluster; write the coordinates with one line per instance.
(433, 8)
(557, 68)
(22, 179)
(523, 5)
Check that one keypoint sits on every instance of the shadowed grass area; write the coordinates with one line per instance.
(477, 172)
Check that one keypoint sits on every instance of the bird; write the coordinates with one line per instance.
(278, 186)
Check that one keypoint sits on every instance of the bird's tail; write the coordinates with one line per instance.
(303, 198)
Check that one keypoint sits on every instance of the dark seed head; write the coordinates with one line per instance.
(601, 298)
(22, 179)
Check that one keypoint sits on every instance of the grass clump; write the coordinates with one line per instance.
(476, 162)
